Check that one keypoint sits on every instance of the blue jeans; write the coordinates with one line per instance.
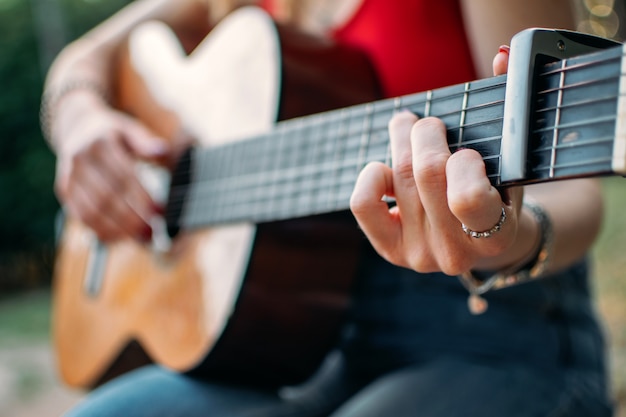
(444, 387)
(412, 349)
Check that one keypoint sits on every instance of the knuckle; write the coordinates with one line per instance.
(404, 166)
(430, 166)
(420, 260)
(466, 199)
(358, 204)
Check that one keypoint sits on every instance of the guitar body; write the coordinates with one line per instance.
(240, 301)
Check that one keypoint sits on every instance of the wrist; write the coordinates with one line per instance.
(528, 268)
(63, 105)
(521, 251)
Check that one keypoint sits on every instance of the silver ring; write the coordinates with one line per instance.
(486, 233)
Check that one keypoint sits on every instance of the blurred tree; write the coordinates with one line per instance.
(31, 33)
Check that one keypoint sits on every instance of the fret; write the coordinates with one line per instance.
(338, 157)
(619, 148)
(379, 137)
(281, 133)
(365, 138)
(268, 175)
(417, 103)
(446, 104)
(429, 99)
(557, 120)
(351, 145)
(397, 106)
(463, 114)
(304, 176)
(331, 143)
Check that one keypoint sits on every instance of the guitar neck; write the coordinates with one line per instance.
(309, 165)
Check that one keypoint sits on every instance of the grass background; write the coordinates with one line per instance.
(30, 384)
(610, 283)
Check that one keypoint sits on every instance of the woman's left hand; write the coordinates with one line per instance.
(435, 192)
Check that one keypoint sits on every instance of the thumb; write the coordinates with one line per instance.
(144, 144)
(501, 61)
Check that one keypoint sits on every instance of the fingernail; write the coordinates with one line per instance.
(505, 49)
(146, 234)
(161, 149)
(158, 209)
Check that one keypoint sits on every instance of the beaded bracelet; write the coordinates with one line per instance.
(50, 99)
(531, 270)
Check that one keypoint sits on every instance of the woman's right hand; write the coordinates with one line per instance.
(97, 150)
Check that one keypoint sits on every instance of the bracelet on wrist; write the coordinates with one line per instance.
(51, 98)
(531, 270)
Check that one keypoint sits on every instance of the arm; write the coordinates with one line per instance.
(96, 146)
(436, 192)
(491, 23)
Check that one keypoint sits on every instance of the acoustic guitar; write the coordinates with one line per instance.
(249, 275)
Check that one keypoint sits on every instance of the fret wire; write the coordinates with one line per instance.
(429, 99)
(342, 132)
(281, 138)
(397, 105)
(325, 145)
(319, 190)
(557, 119)
(269, 155)
(365, 137)
(311, 139)
(463, 113)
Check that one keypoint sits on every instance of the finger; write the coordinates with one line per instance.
(430, 156)
(84, 207)
(107, 210)
(144, 144)
(406, 193)
(119, 168)
(380, 225)
(471, 197)
(501, 61)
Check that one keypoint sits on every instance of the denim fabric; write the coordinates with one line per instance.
(412, 348)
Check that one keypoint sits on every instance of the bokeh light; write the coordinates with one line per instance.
(599, 17)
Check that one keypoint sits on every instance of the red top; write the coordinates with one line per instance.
(415, 45)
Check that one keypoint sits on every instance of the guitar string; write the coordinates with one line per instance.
(466, 143)
(292, 175)
(475, 107)
(463, 126)
(569, 86)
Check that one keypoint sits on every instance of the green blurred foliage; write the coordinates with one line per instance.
(27, 203)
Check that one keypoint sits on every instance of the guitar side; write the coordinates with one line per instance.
(230, 300)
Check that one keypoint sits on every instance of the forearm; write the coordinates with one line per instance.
(491, 23)
(575, 211)
(83, 73)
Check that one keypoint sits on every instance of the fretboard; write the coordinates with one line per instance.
(309, 165)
